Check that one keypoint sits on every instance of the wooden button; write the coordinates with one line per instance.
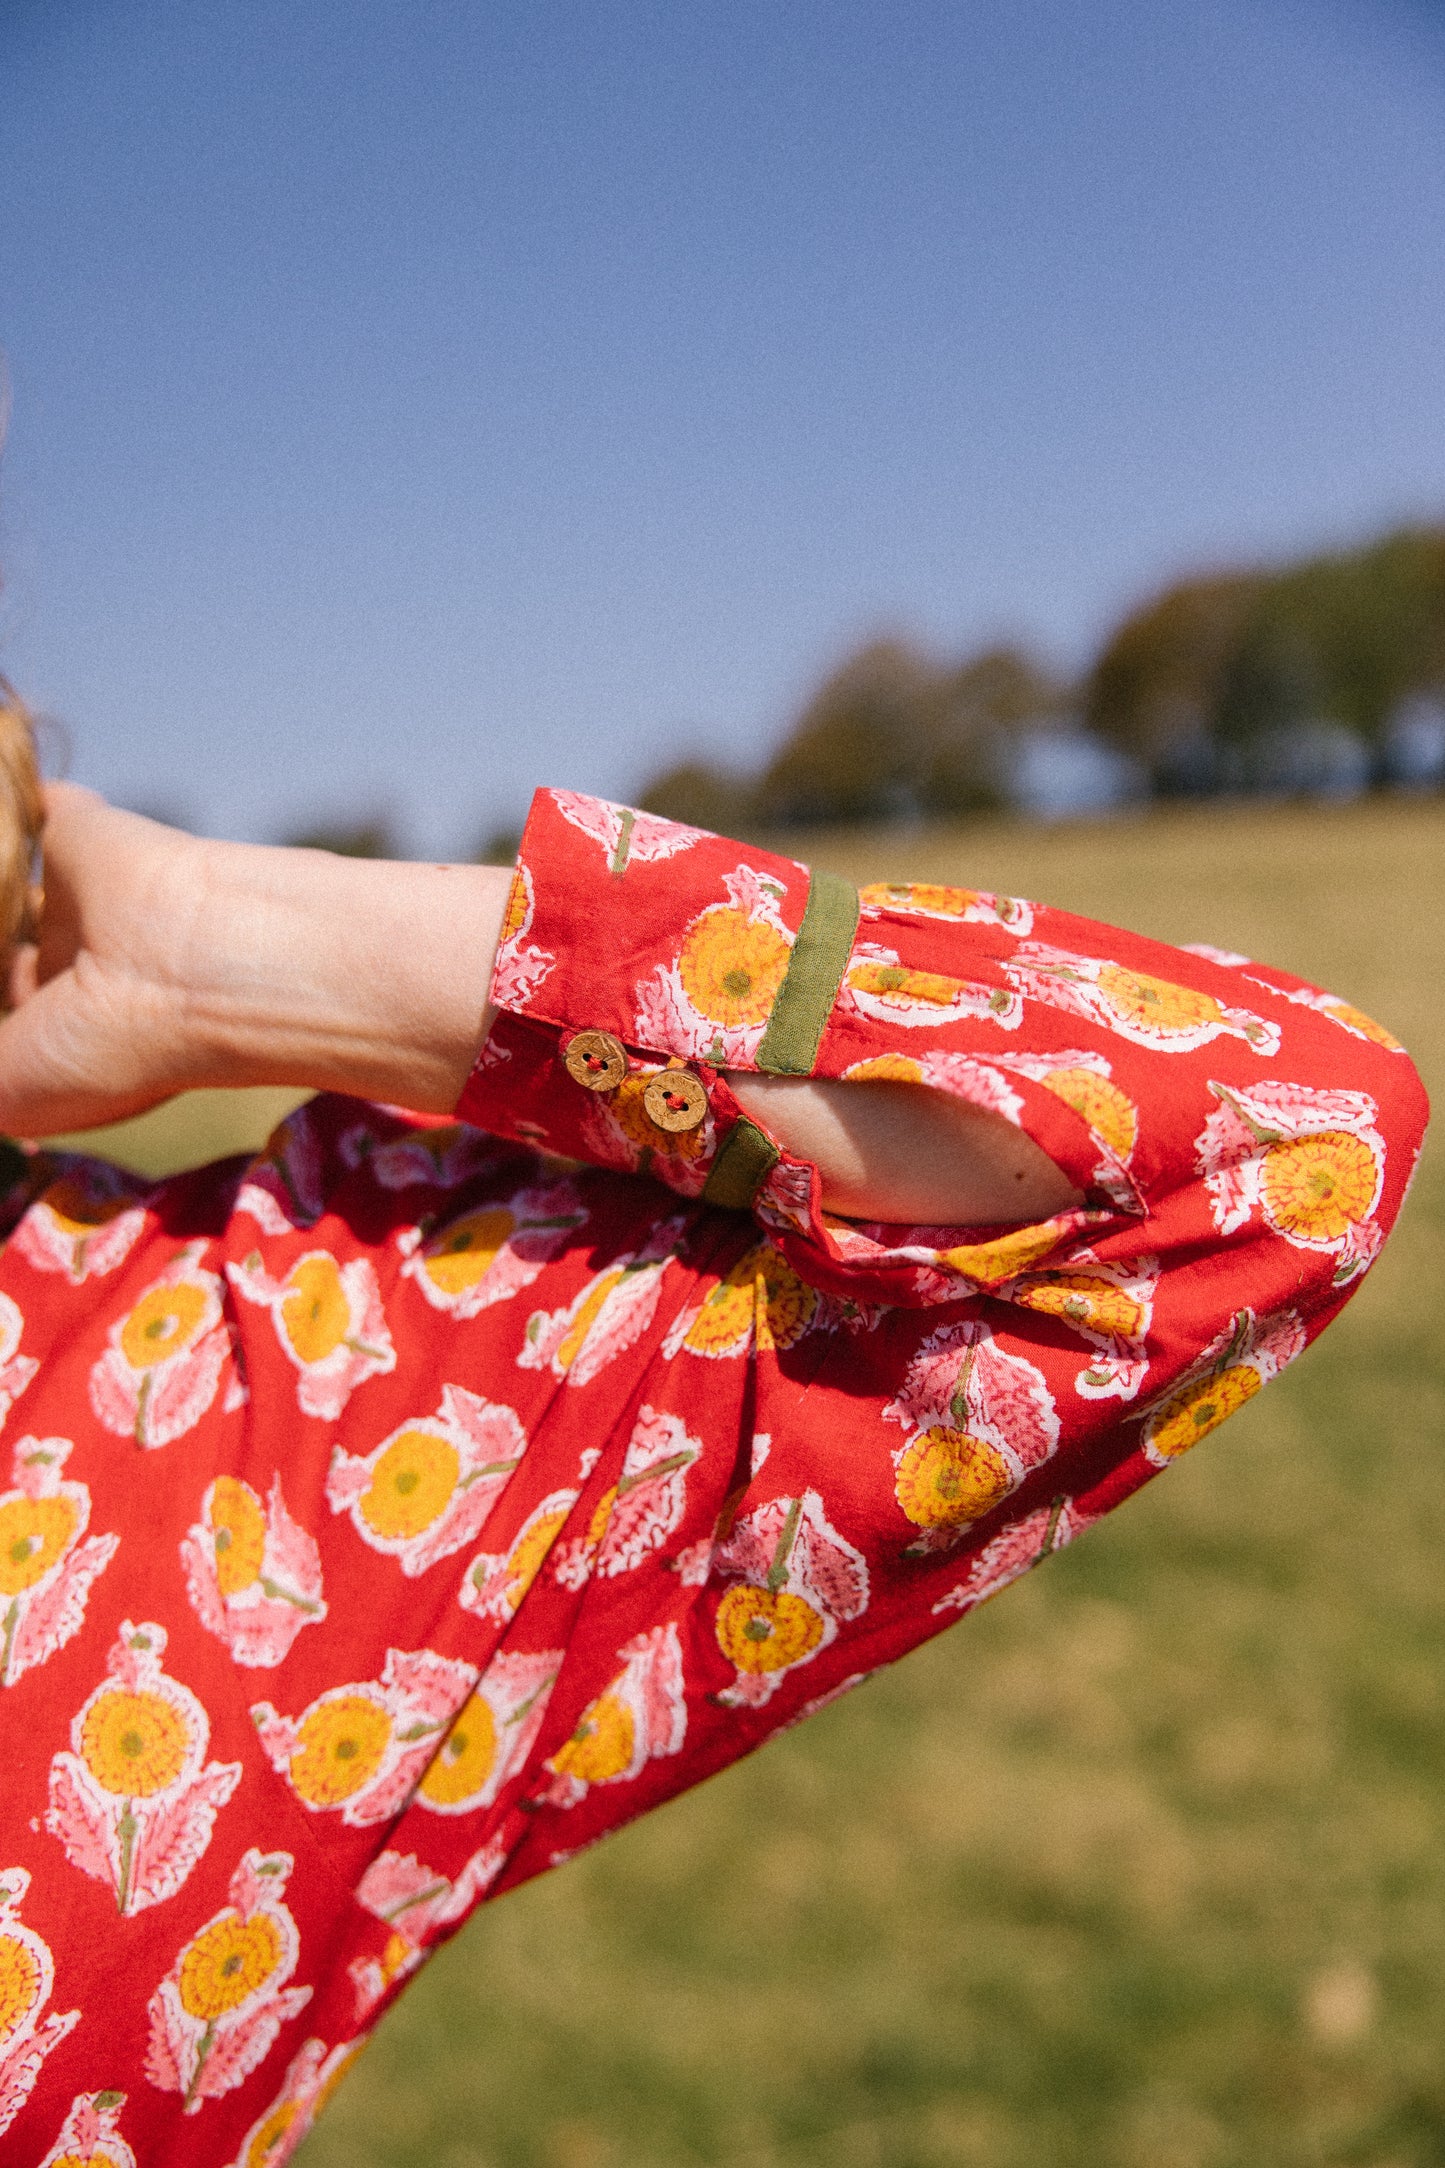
(596, 1060)
(675, 1100)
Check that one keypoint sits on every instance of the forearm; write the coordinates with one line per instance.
(371, 977)
(341, 974)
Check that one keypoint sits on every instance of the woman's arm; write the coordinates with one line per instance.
(168, 962)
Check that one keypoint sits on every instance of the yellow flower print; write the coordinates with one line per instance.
(411, 1485)
(574, 1339)
(1356, 1020)
(979, 1418)
(216, 2014)
(930, 896)
(134, 1801)
(330, 1321)
(1084, 1299)
(602, 1746)
(341, 1743)
(1191, 1414)
(1231, 1371)
(21, 1983)
(34, 1534)
(1310, 1161)
(1006, 1255)
(314, 1312)
(163, 1323)
(760, 1297)
(528, 1554)
(798, 1578)
(947, 1479)
(265, 2143)
(227, 1962)
(1109, 1112)
(764, 1629)
(732, 965)
(1139, 998)
(362, 1748)
(465, 1251)
(237, 1525)
(1318, 1187)
(934, 899)
(135, 1743)
(163, 1364)
(893, 1068)
(899, 987)
(465, 1759)
(77, 1210)
(514, 918)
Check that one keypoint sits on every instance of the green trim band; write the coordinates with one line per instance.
(745, 1160)
(815, 972)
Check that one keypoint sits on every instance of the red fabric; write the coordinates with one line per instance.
(392, 1515)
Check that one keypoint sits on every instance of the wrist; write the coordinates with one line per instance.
(328, 973)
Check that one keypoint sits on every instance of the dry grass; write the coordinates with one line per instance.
(1144, 1867)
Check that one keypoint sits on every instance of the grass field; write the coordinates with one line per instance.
(1142, 1867)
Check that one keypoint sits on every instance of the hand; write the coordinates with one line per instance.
(166, 962)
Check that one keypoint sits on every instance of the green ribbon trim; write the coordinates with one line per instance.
(744, 1161)
(815, 972)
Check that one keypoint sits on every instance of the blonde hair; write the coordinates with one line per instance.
(22, 816)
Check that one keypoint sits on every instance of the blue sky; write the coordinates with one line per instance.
(412, 404)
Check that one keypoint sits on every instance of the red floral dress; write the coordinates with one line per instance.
(386, 1518)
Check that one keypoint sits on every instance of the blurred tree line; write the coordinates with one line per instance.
(1316, 678)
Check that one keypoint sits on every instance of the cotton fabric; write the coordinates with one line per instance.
(394, 1514)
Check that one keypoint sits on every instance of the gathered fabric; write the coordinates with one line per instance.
(388, 1516)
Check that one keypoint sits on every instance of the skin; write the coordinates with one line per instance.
(168, 962)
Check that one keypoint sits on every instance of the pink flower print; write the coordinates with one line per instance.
(360, 1749)
(715, 998)
(329, 1320)
(608, 1316)
(521, 967)
(492, 1252)
(27, 1975)
(877, 985)
(284, 1186)
(1231, 1370)
(619, 1132)
(1015, 1550)
(160, 1372)
(1339, 1011)
(637, 1515)
(798, 1579)
(1141, 1008)
(957, 906)
(641, 1717)
(430, 1486)
(417, 1904)
(312, 2076)
(217, 2012)
(431, 1156)
(86, 1223)
(253, 1574)
(491, 1734)
(495, 1582)
(16, 1370)
(90, 2136)
(1311, 1163)
(134, 1802)
(48, 1564)
(622, 833)
(978, 1419)
(1110, 1306)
